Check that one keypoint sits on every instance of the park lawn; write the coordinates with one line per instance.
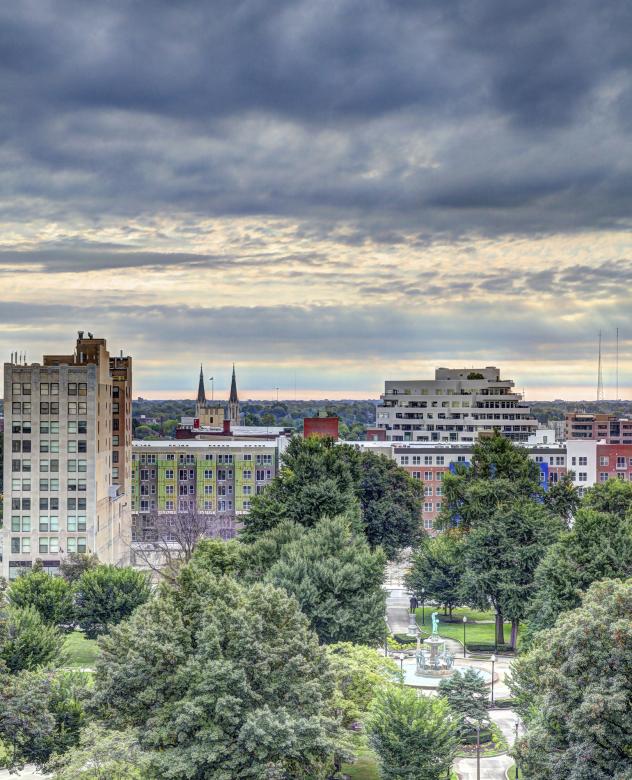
(81, 653)
(477, 633)
(365, 768)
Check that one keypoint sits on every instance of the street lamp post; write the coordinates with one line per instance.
(517, 769)
(386, 638)
(464, 624)
(401, 657)
(493, 660)
(478, 750)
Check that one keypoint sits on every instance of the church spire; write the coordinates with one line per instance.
(233, 400)
(201, 396)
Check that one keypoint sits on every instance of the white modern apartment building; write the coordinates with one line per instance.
(456, 406)
(65, 461)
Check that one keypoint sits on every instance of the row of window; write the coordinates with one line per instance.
(150, 458)
(21, 545)
(24, 503)
(223, 505)
(51, 427)
(22, 523)
(50, 388)
(428, 460)
(49, 407)
(430, 507)
(428, 476)
(47, 465)
(23, 484)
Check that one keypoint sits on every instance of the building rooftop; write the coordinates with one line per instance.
(200, 443)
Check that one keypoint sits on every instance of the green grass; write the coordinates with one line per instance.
(474, 632)
(80, 652)
(365, 768)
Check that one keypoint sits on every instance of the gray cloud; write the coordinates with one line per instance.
(442, 117)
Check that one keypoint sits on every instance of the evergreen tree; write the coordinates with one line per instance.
(414, 736)
(219, 680)
(108, 594)
(337, 580)
(437, 566)
(52, 597)
(466, 693)
(101, 755)
(26, 642)
(573, 690)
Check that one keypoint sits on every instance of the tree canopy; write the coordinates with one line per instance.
(219, 680)
(26, 641)
(414, 736)
(52, 597)
(319, 479)
(467, 694)
(337, 580)
(437, 567)
(573, 690)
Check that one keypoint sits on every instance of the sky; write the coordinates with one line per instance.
(328, 194)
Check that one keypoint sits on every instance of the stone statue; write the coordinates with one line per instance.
(435, 624)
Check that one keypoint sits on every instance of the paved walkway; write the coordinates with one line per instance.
(28, 773)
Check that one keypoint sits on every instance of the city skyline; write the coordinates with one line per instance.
(324, 196)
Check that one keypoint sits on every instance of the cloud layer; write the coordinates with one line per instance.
(337, 189)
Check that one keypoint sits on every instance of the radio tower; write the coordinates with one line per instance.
(599, 374)
(617, 369)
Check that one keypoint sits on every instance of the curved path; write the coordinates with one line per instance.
(493, 767)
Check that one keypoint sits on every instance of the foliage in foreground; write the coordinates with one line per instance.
(219, 680)
(468, 697)
(52, 597)
(413, 736)
(574, 691)
(26, 641)
(101, 755)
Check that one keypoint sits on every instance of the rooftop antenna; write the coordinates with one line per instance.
(599, 374)
(617, 367)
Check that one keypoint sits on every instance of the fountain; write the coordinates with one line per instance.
(432, 662)
(436, 661)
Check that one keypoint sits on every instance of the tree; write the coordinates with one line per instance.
(437, 566)
(360, 672)
(320, 478)
(167, 541)
(614, 496)
(52, 597)
(562, 498)
(466, 693)
(75, 564)
(497, 504)
(26, 724)
(219, 680)
(414, 736)
(501, 554)
(26, 642)
(573, 691)
(390, 500)
(337, 580)
(102, 754)
(598, 546)
(108, 594)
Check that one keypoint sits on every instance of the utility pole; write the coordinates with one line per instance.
(617, 367)
(599, 374)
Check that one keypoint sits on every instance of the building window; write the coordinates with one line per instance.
(603, 476)
(427, 490)
(428, 506)
(416, 475)
(582, 476)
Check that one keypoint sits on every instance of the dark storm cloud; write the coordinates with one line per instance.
(439, 117)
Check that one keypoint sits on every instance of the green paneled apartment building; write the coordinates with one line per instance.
(216, 478)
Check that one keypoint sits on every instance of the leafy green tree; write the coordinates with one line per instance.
(319, 479)
(360, 672)
(437, 566)
(501, 553)
(219, 680)
(26, 724)
(562, 498)
(26, 641)
(101, 755)
(573, 690)
(614, 496)
(414, 736)
(468, 697)
(314, 482)
(108, 594)
(52, 597)
(598, 546)
(74, 565)
(390, 500)
(337, 580)
(497, 503)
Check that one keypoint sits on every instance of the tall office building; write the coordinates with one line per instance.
(456, 406)
(63, 493)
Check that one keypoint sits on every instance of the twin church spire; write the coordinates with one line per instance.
(232, 411)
